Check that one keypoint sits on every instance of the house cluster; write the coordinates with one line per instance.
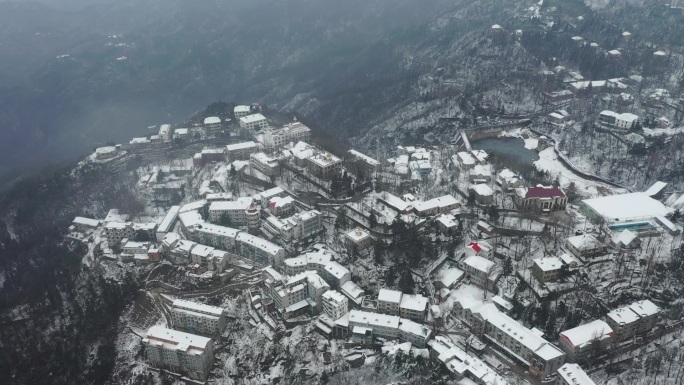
(411, 162)
(185, 348)
(408, 204)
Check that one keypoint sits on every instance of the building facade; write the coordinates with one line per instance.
(197, 318)
(179, 352)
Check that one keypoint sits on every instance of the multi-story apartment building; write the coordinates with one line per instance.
(464, 365)
(297, 227)
(540, 199)
(265, 164)
(282, 206)
(214, 235)
(324, 165)
(486, 321)
(413, 307)
(289, 133)
(611, 119)
(197, 318)
(264, 197)
(479, 270)
(547, 269)
(336, 275)
(637, 318)
(435, 206)
(309, 261)
(335, 304)
(259, 249)
(584, 341)
(118, 231)
(165, 132)
(212, 124)
(241, 111)
(572, 374)
(364, 325)
(167, 223)
(185, 353)
(389, 301)
(236, 211)
(254, 122)
(241, 151)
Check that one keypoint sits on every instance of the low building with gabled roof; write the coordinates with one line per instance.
(541, 199)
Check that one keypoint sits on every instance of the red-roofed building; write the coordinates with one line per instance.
(541, 199)
(481, 248)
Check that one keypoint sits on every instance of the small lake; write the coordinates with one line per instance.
(510, 148)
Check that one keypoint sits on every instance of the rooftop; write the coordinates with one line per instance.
(212, 120)
(573, 374)
(252, 118)
(387, 295)
(584, 242)
(199, 307)
(544, 192)
(175, 340)
(414, 302)
(587, 333)
(479, 263)
(229, 205)
(626, 207)
(241, 146)
(549, 263)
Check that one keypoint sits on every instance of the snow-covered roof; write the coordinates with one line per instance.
(625, 237)
(190, 218)
(549, 263)
(573, 374)
(334, 295)
(623, 116)
(480, 155)
(644, 308)
(212, 120)
(499, 300)
(387, 295)
(506, 174)
(481, 169)
(202, 250)
(170, 339)
(192, 206)
(626, 207)
(414, 302)
(374, 319)
(229, 205)
(86, 221)
(523, 335)
(252, 118)
(281, 201)
(395, 202)
(271, 192)
(241, 146)
(656, 188)
(450, 276)
(336, 270)
(441, 202)
(585, 334)
(213, 229)
(357, 234)
(481, 264)
(352, 290)
(364, 158)
(242, 108)
(259, 243)
(324, 159)
(198, 307)
(464, 158)
(414, 328)
(482, 190)
(584, 242)
(448, 220)
(463, 364)
(614, 52)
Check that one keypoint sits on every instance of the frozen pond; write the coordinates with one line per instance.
(510, 148)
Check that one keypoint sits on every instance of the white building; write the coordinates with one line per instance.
(282, 206)
(547, 269)
(413, 307)
(214, 235)
(300, 226)
(336, 275)
(197, 318)
(364, 325)
(468, 368)
(118, 231)
(585, 245)
(389, 301)
(265, 164)
(253, 122)
(572, 374)
(289, 133)
(179, 352)
(165, 132)
(310, 261)
(480, 248)
(85, 224)
(259, 249)
(622, 208)
(439, 205)
(241, 151)
(637, 318)
(264, 197)
(212, 124)
(480, 271)
(241, 111)
(181, 133)
(611, 119)
(236, 211)
(324, 165)
(581, 342)
(335, 305)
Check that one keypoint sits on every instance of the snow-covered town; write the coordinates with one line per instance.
(268, 257)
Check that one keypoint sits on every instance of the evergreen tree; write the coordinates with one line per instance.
(406, 282)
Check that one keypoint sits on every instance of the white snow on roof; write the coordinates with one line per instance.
(387, 295)
(198, 307)
(447, 220)
(625, 237)
(584, 242)
(242, 108)
(352, 290)
(630, 206)
(252, 118)
(364, 157)
(212, 120)
(479, 263)
(192, 206)
(482, 190)
(357, 234)
(464, 158)
(632, 313)
(573, 374)
(336, 270)
(173, 339)
(241, 146)
(548, 264)
(414, 302)
(655, 188)
(587, 333)
(190, 218)
(644, 308)
(86, 221)
(450, 276)
(229, 205)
